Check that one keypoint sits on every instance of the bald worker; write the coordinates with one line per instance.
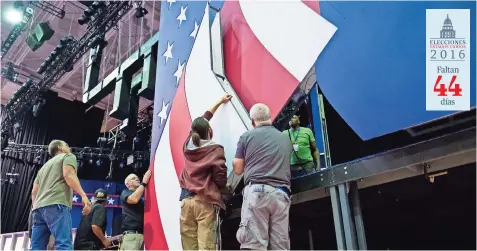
(133, 212)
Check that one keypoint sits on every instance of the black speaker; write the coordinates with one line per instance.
(40, 34)
(43, 32)
(32, 42)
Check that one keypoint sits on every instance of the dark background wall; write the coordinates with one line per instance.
(58, 119)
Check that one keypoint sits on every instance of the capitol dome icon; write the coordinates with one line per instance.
(447, 29)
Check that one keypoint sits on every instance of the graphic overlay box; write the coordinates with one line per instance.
(448, 59)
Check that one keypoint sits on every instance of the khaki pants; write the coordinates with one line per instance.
(264, 219)
(197, 224)
(132, 242)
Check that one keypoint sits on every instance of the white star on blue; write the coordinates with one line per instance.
(188, 14)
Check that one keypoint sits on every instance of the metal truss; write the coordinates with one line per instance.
(80, 152)
(76, 49)
(50, 8)
(424, 158)
(413, 156)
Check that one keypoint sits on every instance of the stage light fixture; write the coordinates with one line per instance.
(68, 67)
(88, 12)
(98, 163)
(14, 16)
(37, 160)
(63, 40)
(130, 160)
(86, 17)
(137, 166)
(101, 141)
(41, 69)
(140, 11)
(83, 19)
(37, 107)
(12, 181)
(28, 83)
(97, 4)
(16, 129)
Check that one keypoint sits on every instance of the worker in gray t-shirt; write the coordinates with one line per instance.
(263, 155)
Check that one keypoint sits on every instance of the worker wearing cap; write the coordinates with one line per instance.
(92, 227)
(304, 152)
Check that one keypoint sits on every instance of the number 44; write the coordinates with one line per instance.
(442, 90)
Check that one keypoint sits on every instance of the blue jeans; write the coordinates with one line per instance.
(52, 220)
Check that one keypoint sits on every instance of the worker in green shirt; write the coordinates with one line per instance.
(305, 154)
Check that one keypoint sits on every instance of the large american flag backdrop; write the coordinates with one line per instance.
(268, 49)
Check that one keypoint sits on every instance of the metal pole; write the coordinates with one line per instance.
(340, 241)
(334, 195)
(348, 224)
(310, 238)
(358, 216)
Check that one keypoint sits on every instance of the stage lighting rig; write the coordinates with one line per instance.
(19, 95)
(22, 14)
(112, 12)
(54, 59)
(50, 8)
(86, 17)
(142, 136)
(26, 17)
(80, 152)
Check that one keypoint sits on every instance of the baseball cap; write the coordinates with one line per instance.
(101, 194)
